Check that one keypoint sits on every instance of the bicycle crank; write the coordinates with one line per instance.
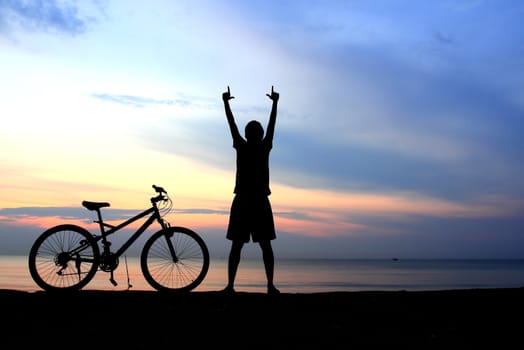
(108, 262)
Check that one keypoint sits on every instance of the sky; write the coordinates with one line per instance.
(399, 127)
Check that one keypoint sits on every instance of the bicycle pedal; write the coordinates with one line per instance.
(113, 282)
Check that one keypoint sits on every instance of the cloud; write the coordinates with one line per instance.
(65, 213)
(448, 145)
(139, 101)
(10, 215)
(201, 211)
(48, 15)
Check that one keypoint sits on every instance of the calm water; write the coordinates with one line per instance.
(309, 276)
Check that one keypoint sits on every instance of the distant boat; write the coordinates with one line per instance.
(394, 259)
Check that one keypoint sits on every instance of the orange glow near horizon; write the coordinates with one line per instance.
(392, 203)
(317, 213)
(44, 222)
(325, 226)
(198, 187)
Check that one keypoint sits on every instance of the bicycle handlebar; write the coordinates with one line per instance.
(162, 194)
(159, 189)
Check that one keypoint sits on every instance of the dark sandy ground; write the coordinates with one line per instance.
(462, 319)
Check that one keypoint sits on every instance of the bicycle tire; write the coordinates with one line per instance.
(51, 264)
(182, 275)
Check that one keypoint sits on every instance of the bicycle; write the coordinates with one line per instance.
(67, 256)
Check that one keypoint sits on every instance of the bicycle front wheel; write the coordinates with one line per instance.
(65, 257)
(175, 259)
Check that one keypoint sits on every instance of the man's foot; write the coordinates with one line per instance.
(272, 290)
(229, 290)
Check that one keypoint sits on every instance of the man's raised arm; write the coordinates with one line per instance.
(226, 96)
(273, 116)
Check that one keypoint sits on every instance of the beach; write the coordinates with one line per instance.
(335, 320)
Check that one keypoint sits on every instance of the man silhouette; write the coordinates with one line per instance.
(251, 215)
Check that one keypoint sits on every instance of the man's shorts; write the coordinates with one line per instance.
(251, 217)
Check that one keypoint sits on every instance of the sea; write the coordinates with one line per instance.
(310, 275)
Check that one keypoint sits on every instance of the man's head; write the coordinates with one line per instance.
(254, 131)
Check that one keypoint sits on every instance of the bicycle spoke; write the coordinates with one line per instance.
(52, 264)
(182, 272)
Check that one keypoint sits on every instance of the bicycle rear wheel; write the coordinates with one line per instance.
(181, 272)
(65, 257)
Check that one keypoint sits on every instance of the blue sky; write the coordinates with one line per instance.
(398, 133)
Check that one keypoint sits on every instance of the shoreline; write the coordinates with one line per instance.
(143, 319)
(312, 276)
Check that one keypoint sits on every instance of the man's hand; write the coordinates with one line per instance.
(274, 95)
(226, 96)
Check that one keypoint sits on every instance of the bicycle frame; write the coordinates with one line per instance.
(108, 259)
(155, 215)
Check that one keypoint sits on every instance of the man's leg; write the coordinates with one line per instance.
(233, 261)
(269, 265)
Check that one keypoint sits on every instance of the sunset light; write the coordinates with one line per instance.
(394, 126)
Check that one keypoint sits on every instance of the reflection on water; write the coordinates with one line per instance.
(14, 274)
(308, 276)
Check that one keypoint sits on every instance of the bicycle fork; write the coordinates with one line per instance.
(171, 247)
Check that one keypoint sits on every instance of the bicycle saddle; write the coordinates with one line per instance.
(95, 205)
